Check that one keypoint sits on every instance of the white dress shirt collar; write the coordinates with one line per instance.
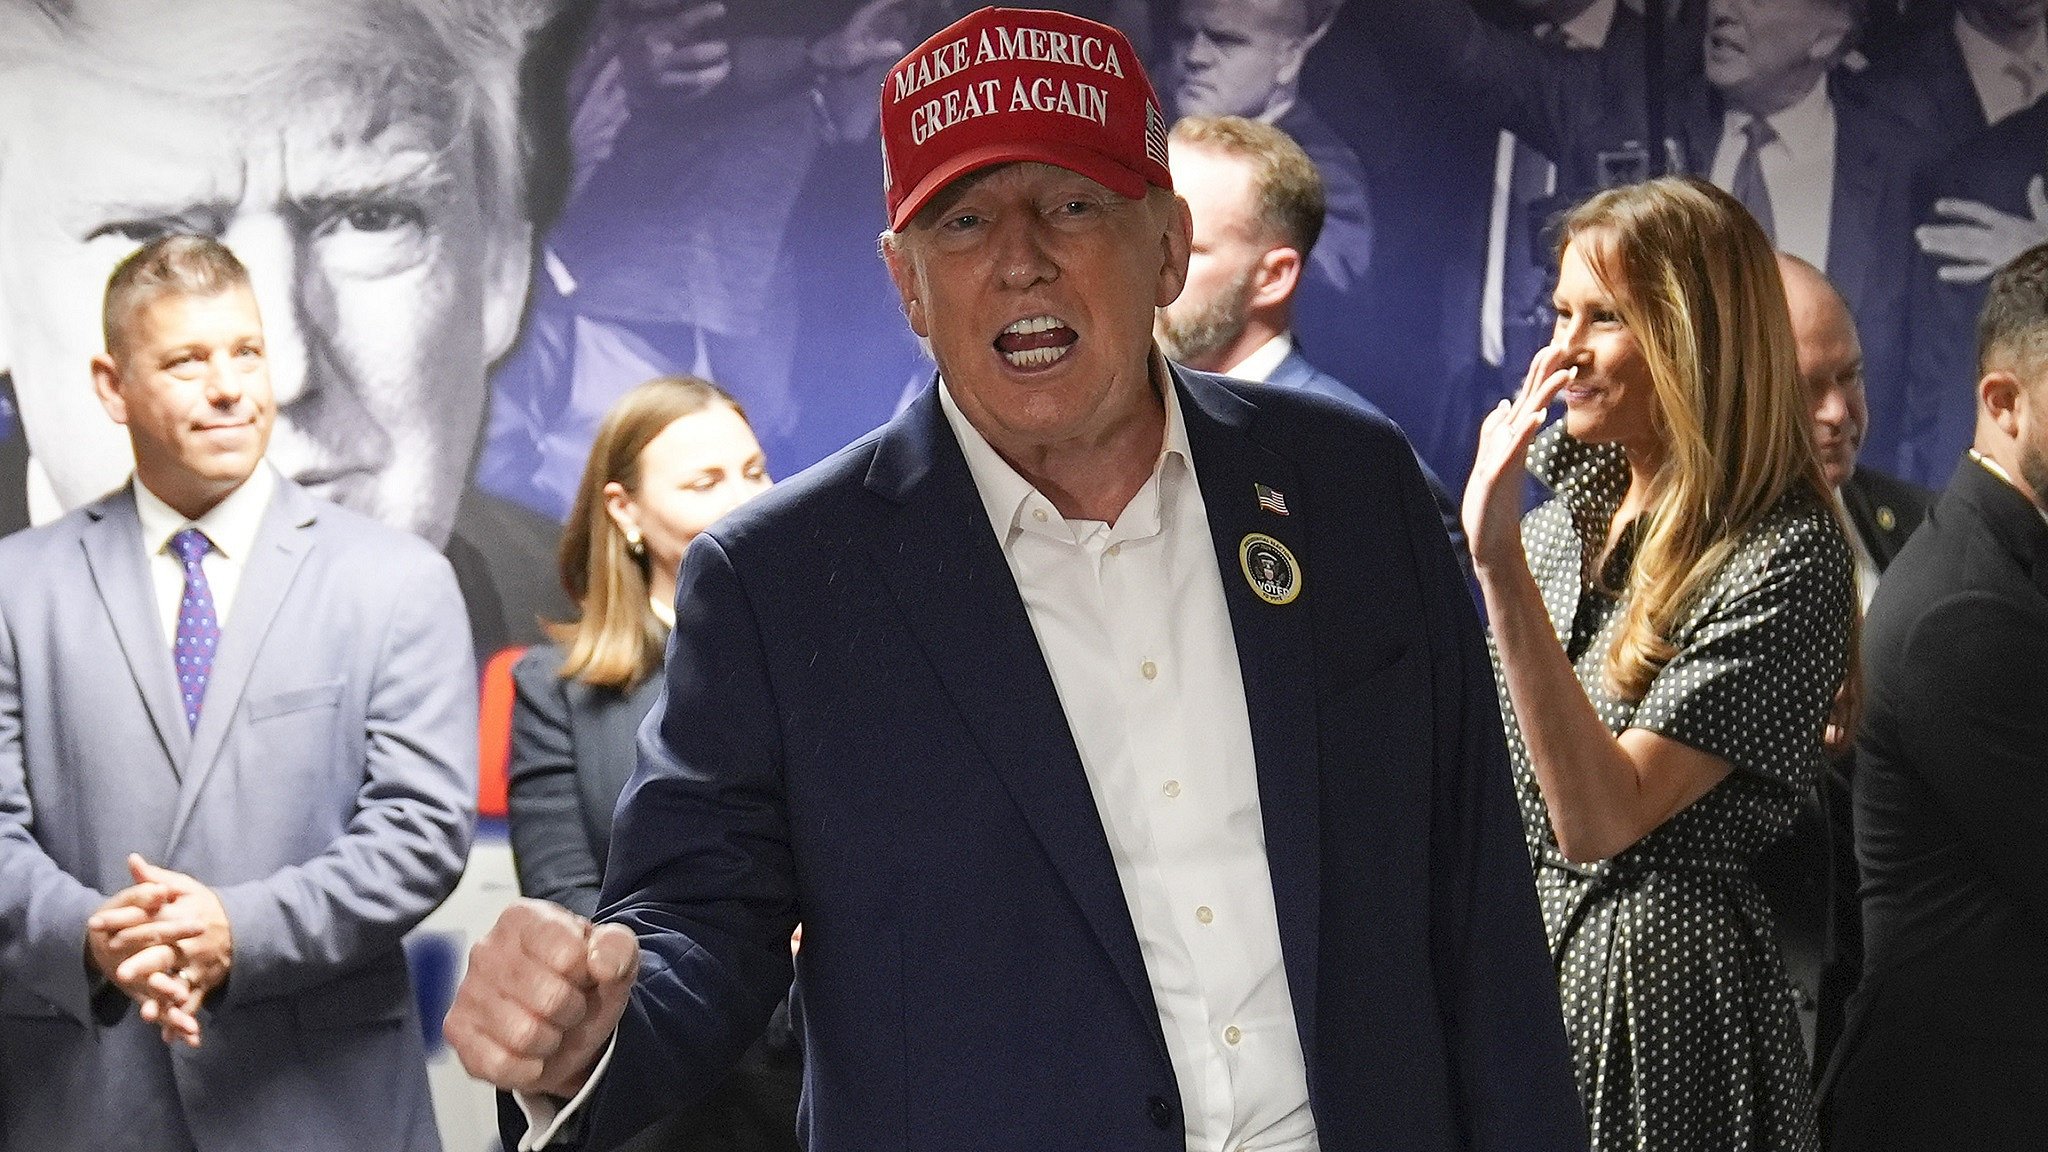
(230, 525)
(1991, 66)
(1264, 360)
(1009, 498)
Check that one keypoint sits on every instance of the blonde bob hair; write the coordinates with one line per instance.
(617, 641)
(1696, 282)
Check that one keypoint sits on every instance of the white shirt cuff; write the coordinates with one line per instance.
(544, 1118)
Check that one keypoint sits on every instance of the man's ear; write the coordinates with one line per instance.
(1275, 277)
(1827, 45)
(903, 272)
(1177, 244)
(106, 384)
(507, 279)
(1998, 397)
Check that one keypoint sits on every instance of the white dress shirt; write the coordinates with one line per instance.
(2006, 81)
(1798, 169)
(1263, 360)
(230, 525)
(1133, 625)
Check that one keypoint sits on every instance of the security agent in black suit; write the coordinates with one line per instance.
(1810, 875)
(1943, 1046)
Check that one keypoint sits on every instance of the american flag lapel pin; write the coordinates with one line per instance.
(1271, 500)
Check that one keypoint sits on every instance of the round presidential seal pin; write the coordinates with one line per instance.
(1270, 568)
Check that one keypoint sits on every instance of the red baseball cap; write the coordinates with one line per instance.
(1009, 84)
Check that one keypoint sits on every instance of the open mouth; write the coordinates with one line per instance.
(1035, 342)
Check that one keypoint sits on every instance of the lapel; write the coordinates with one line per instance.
(281, 546)
(112, 539)
(1277, 660)
(939, 556)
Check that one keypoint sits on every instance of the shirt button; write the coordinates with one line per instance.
(1113, 549)
(1231, 1035)
(1149, 670)
(1161, 1111)
(1205, 916)
(1038, 514)
(1171, 788)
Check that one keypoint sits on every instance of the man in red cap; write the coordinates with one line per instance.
(1121, 736)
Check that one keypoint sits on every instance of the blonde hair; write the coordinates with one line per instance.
(1697, 284)
(616, 642)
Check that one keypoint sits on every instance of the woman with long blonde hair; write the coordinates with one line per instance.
(1669, 630)
(672, 456)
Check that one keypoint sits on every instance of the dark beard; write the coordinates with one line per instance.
(1212, 328)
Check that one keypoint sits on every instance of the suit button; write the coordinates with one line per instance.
(1162, 1112)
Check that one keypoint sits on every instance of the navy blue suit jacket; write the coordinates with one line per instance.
(1296, 372)
(859, 732)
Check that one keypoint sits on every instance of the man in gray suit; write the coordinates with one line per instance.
(249, 716)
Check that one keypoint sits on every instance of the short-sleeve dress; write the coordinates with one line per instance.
(1675, 997)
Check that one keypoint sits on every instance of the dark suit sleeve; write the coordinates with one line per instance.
(1973, 721)
(701, 867)
(550, 846)
(1511, 1065)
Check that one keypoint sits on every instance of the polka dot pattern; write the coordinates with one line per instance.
(198, 633)
(1675, 996)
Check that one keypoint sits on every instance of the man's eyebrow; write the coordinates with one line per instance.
(121, 217)
(404, 173)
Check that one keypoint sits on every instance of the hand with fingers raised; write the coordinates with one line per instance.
(1492, 510)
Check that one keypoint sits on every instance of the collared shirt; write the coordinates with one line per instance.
(230, 525)
(1996, 71)
(1258, 366)
(1134, 628)
(1798, 169)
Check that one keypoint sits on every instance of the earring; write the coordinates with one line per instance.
(634, 544)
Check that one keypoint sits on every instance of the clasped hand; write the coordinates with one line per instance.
(165, 943)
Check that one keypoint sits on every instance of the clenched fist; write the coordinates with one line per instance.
(544, 990)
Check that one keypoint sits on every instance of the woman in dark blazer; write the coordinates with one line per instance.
(672, 456)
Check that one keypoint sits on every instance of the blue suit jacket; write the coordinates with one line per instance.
(1296, 372)
(859, 732)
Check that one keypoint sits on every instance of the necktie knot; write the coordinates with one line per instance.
(191, 544)
(1759, 133)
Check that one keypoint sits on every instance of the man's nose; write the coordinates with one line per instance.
(1021, 256)
(269, 248)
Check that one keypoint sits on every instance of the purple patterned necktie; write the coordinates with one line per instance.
(198, 631)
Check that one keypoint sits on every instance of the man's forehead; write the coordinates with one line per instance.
(125, 148)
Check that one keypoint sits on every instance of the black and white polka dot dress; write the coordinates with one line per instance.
(1675, 997)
